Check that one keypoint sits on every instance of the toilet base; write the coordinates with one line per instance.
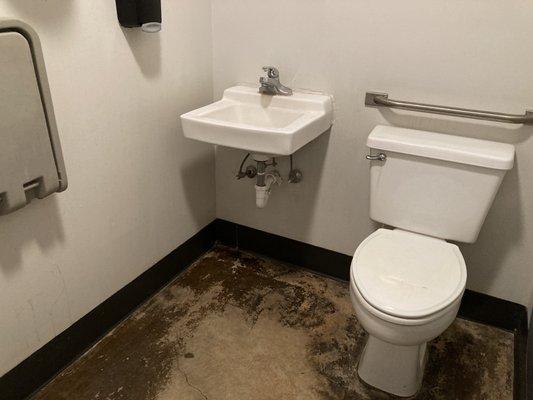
(394, 369)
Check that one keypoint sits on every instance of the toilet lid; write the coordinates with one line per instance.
(408, 275)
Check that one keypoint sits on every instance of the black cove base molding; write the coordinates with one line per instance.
(32, 373)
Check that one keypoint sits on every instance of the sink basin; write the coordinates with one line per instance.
(263, 124)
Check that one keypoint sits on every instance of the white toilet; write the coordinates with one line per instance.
(407, 282)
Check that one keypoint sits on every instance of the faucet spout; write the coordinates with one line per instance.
(271, 84)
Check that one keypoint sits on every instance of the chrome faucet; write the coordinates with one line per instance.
(271, 84)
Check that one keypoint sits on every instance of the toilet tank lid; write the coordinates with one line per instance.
(464, 150)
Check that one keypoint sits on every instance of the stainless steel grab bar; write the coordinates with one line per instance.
(374, 99)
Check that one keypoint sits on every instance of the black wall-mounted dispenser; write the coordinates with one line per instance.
(140, 13)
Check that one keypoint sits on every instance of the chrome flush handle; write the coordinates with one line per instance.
(377, 157)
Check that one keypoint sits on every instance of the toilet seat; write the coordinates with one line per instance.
(399, 321)
(408, 275)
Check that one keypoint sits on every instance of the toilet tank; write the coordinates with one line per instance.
(435, 184)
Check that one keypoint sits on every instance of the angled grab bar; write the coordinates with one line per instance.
(374, 99)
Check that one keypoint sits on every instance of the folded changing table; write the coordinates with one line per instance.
(31, 162)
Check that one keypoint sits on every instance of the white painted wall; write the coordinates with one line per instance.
(464, 53)
(137, 190)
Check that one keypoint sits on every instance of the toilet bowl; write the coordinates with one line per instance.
(406, 289)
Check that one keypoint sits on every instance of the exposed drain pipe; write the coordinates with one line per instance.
(262, 193)
(265, 179)
(261, 170)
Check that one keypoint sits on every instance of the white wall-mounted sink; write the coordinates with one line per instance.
(245, 119)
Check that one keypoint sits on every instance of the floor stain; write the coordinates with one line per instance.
(239, 326)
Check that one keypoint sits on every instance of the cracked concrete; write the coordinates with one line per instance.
(238, 326)
(187, 380)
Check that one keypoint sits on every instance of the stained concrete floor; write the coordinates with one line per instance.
(238, 326)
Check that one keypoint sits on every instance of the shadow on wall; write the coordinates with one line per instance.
(502, 230)
(507, 133)
(146, 48)
(198, 199)
(39, 222)
(310, 159)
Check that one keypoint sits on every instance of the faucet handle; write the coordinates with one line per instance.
(272, 72)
